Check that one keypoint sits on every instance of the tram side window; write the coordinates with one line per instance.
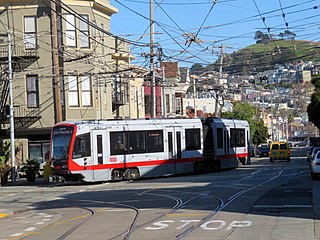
(154, 139)
(241, 138)
(238, 137)
(118, 143)
(82, 146)
(137, 142)
(233, 134)
(193, 139)
(219, 138)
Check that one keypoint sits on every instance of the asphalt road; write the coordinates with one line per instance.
(264, 200)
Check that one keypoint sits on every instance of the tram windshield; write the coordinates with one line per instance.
(60, 143)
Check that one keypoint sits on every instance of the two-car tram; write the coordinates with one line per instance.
(103, 150)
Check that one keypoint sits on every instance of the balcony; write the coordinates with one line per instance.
(23, 117)
(21, 57)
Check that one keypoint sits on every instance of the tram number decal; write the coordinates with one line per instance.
(209, 225)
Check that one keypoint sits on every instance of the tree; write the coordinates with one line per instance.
(4, 162)
(314, 106)
(289, 34)
(197, 69)
(244, 111)
(241, 111)
(261, 37)
(260, 134)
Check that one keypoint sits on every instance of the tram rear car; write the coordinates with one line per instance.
(226, 143)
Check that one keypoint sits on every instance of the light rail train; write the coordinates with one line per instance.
(103, 150)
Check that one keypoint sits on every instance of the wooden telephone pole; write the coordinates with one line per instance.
(55, 67)
(152, 73)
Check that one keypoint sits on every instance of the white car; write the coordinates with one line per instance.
(315, 165)
(312, 153)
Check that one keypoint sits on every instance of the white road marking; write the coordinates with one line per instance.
(30, 229)
(40, 223)
(283, 206)
(16, 235)
(211, 225)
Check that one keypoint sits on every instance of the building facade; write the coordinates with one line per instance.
(65, 65)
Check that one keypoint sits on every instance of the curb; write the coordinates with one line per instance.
(9, 212)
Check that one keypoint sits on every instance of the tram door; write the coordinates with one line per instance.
(174, 150)
(98, 156)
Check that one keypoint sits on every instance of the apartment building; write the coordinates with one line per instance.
(66, 65)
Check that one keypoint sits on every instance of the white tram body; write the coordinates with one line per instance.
(102, 150)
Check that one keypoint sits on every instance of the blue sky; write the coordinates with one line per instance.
(229, 22)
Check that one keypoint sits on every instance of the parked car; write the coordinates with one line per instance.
(279, 151)
(315, 165)
(252, 151)
(312, 152)
(264, 151)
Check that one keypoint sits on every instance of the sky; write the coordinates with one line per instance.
(193, 31)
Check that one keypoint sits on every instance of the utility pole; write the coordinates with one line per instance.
(221, 60)
(263, 108)
(117, 93)
(216, 112)
(163, 93)
(194, 95)
(12, 151)
(55, 56)
(153, 82)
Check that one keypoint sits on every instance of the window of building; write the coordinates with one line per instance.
(38, 151)
(73, 91)
(147, 104)
(80, 91)
(32, 85)
(86, 91)
(71, 31)
(178, 105)
(167, 103)
(30, 32)
(84, 31)
(82, 146)
(193, 141)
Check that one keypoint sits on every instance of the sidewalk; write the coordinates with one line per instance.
(316, 208)
(8, 189)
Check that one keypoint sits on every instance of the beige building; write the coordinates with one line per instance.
(91, 67)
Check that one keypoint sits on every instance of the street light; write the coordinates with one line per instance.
(12, 153)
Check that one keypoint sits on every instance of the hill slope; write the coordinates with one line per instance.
(260, 57)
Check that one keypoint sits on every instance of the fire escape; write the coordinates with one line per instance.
(21, 59)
